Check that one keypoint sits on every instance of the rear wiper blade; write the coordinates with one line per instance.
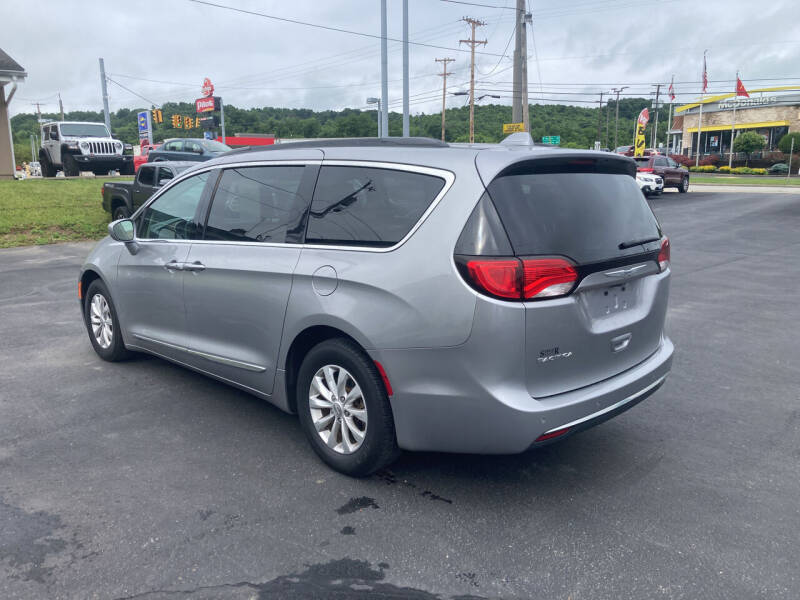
(633, 243)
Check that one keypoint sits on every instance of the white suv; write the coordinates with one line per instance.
(73, 147)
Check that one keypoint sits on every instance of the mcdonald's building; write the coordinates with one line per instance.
(771, 112)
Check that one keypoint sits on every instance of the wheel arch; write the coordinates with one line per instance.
(302, 343)
(117, 200)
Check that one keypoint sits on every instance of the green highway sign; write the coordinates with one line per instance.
(551, 139)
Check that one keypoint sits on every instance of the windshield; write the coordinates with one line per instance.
(213, 146)
(84, 130)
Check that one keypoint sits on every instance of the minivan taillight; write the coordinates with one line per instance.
(522, 279)
(663, 255)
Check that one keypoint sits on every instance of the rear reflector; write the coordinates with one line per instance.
(550, 435)
(389, 391)
(522, 279)
(664, 255)
(80, 290)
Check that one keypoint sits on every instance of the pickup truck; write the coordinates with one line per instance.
(122, 198)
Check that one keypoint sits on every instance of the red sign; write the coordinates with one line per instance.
(208, 87)
(205, 104)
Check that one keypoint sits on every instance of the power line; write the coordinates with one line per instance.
(130, 90)
(327, 27)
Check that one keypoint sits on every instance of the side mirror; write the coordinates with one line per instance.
(123, 231)
(54, 135)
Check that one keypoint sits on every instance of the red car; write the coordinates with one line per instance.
(138, 161)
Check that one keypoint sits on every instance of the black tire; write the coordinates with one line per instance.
(47, 167)
(71, 168)
(684, 186)
(116, 349)
(120, 212)
(379, 446)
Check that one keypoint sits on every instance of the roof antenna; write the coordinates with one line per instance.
(520, 138)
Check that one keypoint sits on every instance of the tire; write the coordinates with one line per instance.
(47, 167)
(71, 168)
(684, 186)
(103, 310)
(378, 448)
(120, 212)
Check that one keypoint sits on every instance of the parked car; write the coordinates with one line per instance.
(138, 161)
(73, 146)
(672, 173)
(779, 169)
(624, 150)
(188, 149)
(122, 198)
(381, 291)
(650, 183)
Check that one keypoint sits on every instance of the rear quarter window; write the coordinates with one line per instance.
(368, 206)
(583, 216)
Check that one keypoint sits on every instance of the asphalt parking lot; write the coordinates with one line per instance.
(143, 480)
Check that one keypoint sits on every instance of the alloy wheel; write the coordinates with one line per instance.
(338, 409)
(102, 324)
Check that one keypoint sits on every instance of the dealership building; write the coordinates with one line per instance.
(770, 112)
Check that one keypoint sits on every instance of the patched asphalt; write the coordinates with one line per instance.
(144, 480)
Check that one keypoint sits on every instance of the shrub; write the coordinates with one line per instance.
(682, 160)
(785, 142)
(711, 159)
(748, 142)
(703, 169)
(779, 169)
(725, 169)
(748, 171)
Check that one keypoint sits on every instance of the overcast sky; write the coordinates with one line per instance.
(582, 46)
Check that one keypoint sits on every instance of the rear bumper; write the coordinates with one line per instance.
(445, 406)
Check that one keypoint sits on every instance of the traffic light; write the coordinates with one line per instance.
(158, 116)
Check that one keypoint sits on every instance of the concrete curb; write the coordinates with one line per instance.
(743, 189)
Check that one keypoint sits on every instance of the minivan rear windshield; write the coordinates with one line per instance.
(583, 216)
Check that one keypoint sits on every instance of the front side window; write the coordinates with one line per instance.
(164, 175)
(146, 175)
(191, 146)
(172, 215)
(368, 206)
(173, 146)
(257, 204)
(671, 163)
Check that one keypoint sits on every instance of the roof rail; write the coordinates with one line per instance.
(414, 142)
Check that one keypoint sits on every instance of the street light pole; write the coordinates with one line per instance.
(616, 116)
(377, 101)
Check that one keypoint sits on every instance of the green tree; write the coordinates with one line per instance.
(748, 142)
(785, 143)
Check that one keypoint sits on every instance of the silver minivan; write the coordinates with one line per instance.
(398, 293)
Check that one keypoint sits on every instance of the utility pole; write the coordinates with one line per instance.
(60, 106)
(444, 75)
(519, 107)
(608, 119)
(405, 69)
(38, 106)
(384, 74)
(599, 118)
(472, 43)
(33, 149)
(654, 134)
(616, 116)
(104, 89)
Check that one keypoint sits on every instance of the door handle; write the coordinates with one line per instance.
(174, 265)
(195, 266)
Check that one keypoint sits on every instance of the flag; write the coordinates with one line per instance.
(672, 89)
(740, 91)
(705, 73)
(641, 126)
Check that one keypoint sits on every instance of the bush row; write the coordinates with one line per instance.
(726, 169)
